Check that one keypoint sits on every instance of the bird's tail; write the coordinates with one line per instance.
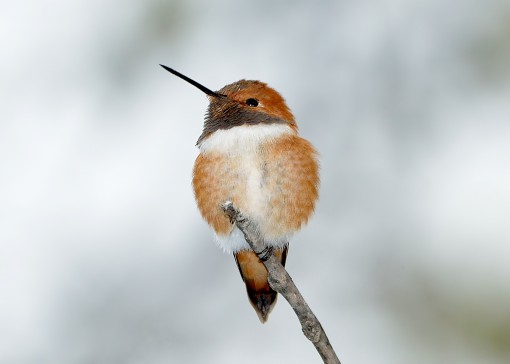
(254, 273)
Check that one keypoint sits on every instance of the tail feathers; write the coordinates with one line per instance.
(254, 273)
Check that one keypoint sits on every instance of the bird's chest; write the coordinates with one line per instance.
(238, 165)
(244, 152)
(244, 178)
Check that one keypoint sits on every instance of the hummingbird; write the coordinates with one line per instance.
(251, 154)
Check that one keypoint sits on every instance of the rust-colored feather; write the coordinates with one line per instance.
(294, 176)
(214, 183)
(262, 297)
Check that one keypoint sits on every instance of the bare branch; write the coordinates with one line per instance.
(281, 282)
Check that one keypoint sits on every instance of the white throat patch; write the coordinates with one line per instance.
(241, 138)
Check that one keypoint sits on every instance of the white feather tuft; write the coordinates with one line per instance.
(234, 242)
(241, 138)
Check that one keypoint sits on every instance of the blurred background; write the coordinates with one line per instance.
(104, 257)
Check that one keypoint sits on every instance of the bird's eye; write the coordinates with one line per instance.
(252, 102)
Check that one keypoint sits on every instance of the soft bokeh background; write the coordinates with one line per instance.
(104, 257)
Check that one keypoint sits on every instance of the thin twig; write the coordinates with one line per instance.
(281, 282)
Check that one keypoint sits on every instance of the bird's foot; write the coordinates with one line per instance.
(265, 253)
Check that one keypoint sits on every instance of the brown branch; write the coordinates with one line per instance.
(281, 282)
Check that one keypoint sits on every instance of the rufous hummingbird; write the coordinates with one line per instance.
(251, 154)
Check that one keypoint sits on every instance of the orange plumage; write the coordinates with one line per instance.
(251, 154)
(267, 171)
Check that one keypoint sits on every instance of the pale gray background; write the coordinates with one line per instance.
(104, 257)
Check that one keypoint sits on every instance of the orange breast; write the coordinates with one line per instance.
(276, 184)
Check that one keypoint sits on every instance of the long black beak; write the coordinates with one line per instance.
(194, 83)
